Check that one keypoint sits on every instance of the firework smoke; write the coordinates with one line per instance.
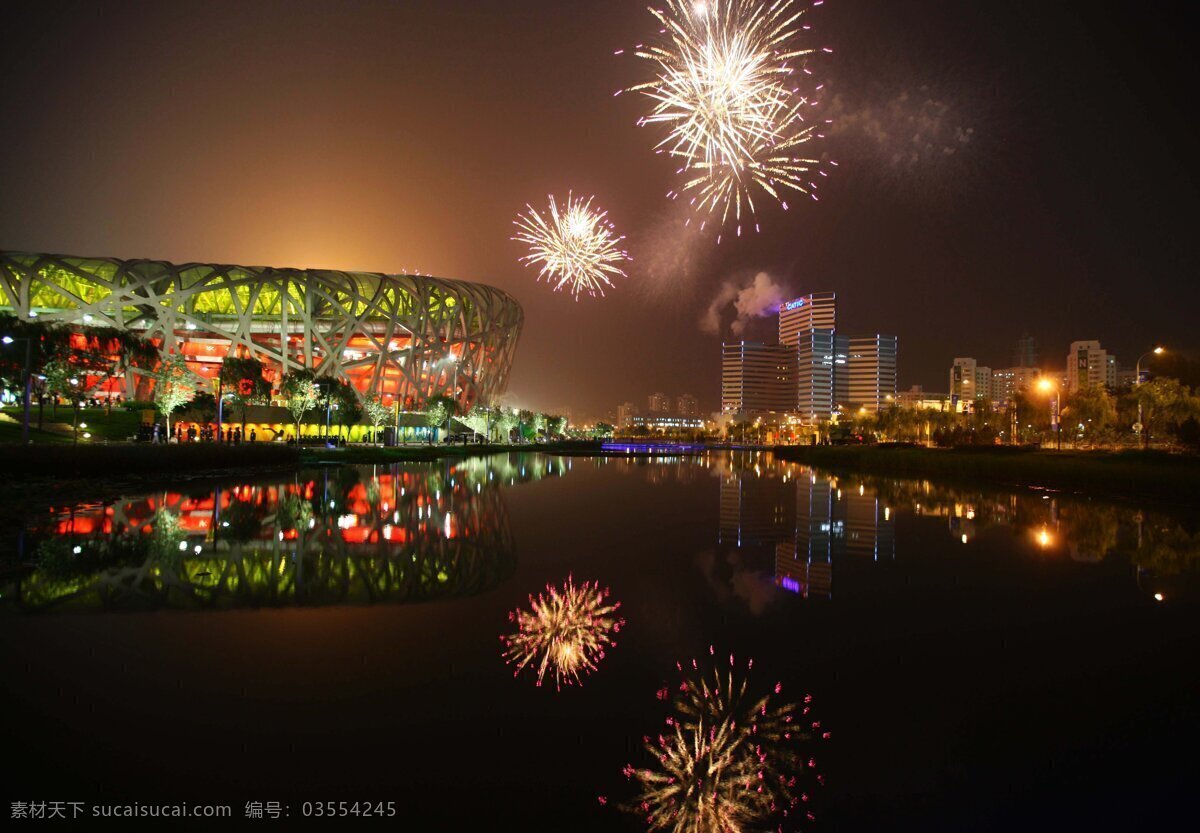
(758, 299)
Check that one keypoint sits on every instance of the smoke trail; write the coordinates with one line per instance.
(758, 299)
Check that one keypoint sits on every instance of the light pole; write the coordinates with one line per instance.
(28, 384)
(75, 411)
(1137, 382)
(1047, 386)
(454, 360)
(221, 397)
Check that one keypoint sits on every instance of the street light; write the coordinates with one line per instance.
(454, 360)
(221, 397)
(1137, 381)
(1047, 386)
(7, 340)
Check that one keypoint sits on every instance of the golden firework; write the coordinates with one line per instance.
(567, 629)
(727, 88)
(727, 761)
(575, 246)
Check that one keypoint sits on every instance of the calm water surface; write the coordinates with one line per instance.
(981, 660)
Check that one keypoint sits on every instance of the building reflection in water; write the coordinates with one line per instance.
(338, 535)
(809, 519)
(812, 521)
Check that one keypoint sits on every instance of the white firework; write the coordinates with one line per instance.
(727, 88)
(575, 246)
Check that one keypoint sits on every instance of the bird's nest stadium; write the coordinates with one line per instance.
(404, 337)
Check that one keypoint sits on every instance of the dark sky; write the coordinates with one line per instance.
(393, 136)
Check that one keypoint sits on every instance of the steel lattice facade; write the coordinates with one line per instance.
(385, 334)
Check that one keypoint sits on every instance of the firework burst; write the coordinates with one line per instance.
(727, 90)
(727, 760)
(575, 245)
(566, 628)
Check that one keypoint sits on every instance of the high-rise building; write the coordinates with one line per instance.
(757, 377)
(659, 403)
(625, 414)
(1007, 382)
(817, 311)
(807, 324)
(816, 366)
(687, 406)
(869, 380)
(1026, 354)
(1089, 365)
(968, 382)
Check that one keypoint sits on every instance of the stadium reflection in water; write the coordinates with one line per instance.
(422, 531)
(338, 535)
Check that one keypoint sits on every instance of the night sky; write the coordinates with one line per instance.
(400, 136)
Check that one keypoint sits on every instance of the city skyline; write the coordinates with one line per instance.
(1022, 229)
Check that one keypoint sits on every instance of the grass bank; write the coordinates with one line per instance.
(57, 461)
(1127, 475)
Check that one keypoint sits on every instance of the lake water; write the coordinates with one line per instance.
(979, 660)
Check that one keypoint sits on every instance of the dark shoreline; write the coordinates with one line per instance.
(1122, 476)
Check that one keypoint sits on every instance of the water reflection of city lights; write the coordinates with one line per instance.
(340, 546)
(567, 629)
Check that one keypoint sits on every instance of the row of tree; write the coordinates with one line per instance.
(68, 363)
(244, 384)
(1166, 411)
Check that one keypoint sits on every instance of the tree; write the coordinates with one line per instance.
(111, 353)
(175, 385)
(1165, 403)
(1092, 412)
(505, 422)
(1033, 415)
(602, 429)
(438, 409)
(479, 420)
(377, 412)
(348, 405)
(243, 379)
(203, 408)
(299, 389)
(56, 381)
(556, 425)
(1188, 434)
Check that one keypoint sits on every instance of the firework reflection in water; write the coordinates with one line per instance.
(567, 629)
(728, 760)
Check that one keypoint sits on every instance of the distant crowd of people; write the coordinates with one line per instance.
(204, 434)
